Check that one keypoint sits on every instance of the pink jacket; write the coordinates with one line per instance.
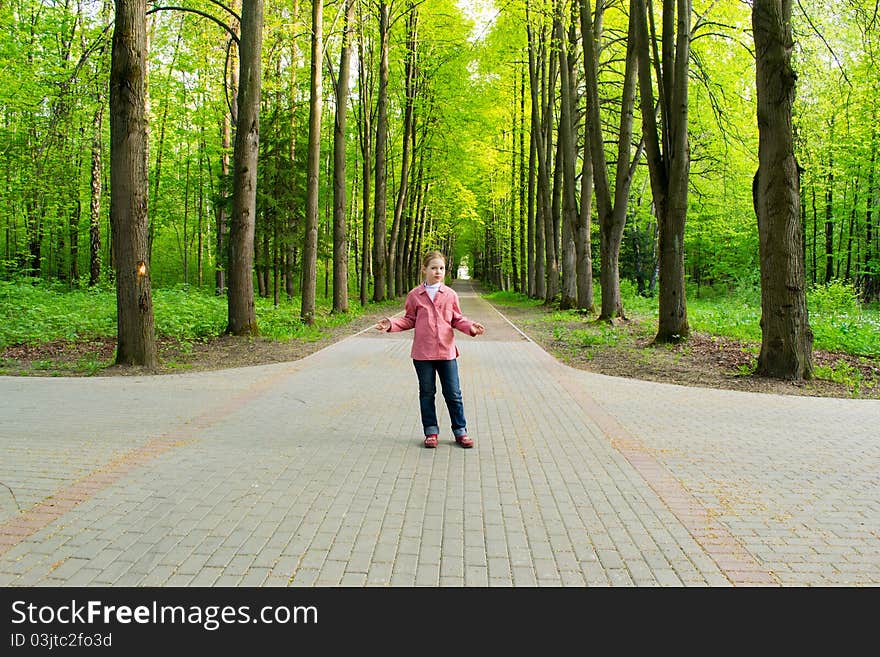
(433, 321)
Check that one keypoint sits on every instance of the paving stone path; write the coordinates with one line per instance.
(312, 473)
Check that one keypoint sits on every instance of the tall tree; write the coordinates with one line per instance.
(380, 258)
(242, 315)
(365, 139)
(871, 279)
(96, 190)
(612, 211)
(668, 152)
(313, 166)
(340, 224)
(290, 228)
(395, 255)
(829, 209)
(526, 255)
(553, 189)
(786, 337)
(136, 339)
(96, 182)
(568, 151)
(230, 119)
(543, 212)
(584, 205)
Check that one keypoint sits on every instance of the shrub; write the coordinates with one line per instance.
(833, 298)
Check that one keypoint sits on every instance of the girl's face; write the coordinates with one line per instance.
(435, 272)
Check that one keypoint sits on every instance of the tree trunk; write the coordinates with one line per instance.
(290, 227)
(815, 267)
(365, 93)
(201, 210)
(310, 245)
(340, 220)
(95, 201)
(533, 259)
(584, 238)
(526, 262)
(553, 187)
(871, 280)
(542, 210)
(612, 214)
(829, 215)
(583, 256)
(242, 316)
(136, 341)
(395, 280)
(380, 261)
(668, 153)
(566, 138)
(787, 340)
(222, 257)
(185, 245)
(415, 201)
(852, 226)
(514, 260)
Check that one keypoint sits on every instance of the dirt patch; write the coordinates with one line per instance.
(626, 349)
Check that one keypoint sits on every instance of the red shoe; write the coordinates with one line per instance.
(431, 441)
(464, 441)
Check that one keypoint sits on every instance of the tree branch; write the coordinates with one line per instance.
(227, 9)
(827, 45)
(203, 14)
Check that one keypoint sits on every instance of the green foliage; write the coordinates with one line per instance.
(33, 312)
(846, 373)
(595, 335)
(631, 299)
(734, 317)
(838, 322)
(857, 335)
(833, 298)
(510, 298)
(188, 314)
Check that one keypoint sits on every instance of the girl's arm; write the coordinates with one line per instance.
(402, 323)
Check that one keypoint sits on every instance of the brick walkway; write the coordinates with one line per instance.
(312, 473)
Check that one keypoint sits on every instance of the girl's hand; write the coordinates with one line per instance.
(477, 329)
(383, 324)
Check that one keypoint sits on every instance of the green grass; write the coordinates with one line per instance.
(511, 299)
(842, 372)
(839, 322)
(35, 312)
(42, 312)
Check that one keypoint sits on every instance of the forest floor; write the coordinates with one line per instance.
(624, 350)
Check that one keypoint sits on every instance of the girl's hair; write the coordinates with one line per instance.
(426, 260)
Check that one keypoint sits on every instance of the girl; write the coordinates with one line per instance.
(432, 308)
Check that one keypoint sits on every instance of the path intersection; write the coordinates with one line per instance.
(312, 473)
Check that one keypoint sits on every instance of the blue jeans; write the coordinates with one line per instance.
(427, 371)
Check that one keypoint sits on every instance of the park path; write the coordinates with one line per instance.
(312, 473)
